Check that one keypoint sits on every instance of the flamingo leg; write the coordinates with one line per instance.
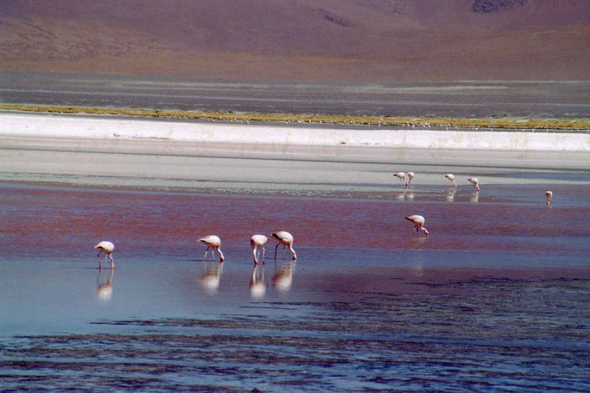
(263, 256)
(276, 248)
(205, 256)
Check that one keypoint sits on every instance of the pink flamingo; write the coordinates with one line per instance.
(418, 222)
(549, 195)
(451, 177)
(410, 177)
(258, 242)
(475, 182)
(402, 177)
(286, 239)
(107, 248)
(212, 242)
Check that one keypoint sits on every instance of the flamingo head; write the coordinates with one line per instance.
(425, 231)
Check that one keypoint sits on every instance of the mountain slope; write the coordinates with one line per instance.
(329, 40)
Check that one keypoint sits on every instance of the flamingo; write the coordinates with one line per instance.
(212, 242)
(410, 177)
(286, 239)
(258, 241)
(475, 182)
(549, 195)
(402, 177)
(107, 248)
(451, 177)
(418, 222)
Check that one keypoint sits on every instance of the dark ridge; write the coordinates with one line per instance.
(334, 18)
(495, 6)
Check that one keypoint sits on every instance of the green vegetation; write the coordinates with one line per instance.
(479, 123)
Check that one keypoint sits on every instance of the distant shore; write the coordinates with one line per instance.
(476, 124)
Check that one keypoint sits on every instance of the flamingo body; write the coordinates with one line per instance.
(286, 239)
(474, 181)
(107, 248)
(214, 243)
(402, 177)
(418, 222)
(258, 242)
(549, 195)
(451, 178)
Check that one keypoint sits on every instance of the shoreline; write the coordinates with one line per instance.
(271, 159)
(496, 122)
(284, 135)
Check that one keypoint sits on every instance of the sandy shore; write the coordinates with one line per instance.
(119, 152)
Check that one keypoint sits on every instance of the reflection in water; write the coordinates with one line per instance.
(283, 278)
(104, 291)
(211, 276)
(407, 195)
(257, 285)
(474, 197)
(450, 195)
(417, 258)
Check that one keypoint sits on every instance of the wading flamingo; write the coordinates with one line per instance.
(410, 177)
(474, 181)
(402, 177)
(107, 248)
(258, 242)
(451, 178)
(418, 222)
(286, 239)
(212, 242)
(549, 195)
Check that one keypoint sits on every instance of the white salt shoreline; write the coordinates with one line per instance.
(97, 127)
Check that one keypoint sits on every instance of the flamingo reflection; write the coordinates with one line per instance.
(104, 291)
(407, 195)
(257, 285)
(474, 197)
(211, 276)
(283, 278)
(450, 194)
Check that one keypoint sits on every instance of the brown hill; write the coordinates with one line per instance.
(325, 40)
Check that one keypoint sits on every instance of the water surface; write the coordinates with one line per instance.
(493, 300)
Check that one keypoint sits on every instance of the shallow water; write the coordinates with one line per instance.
(493, 300)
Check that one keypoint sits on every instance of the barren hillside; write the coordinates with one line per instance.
(326, 40)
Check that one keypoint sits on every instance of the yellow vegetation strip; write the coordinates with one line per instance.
(479, 123)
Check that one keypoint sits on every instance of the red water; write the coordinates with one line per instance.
(61, 219)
